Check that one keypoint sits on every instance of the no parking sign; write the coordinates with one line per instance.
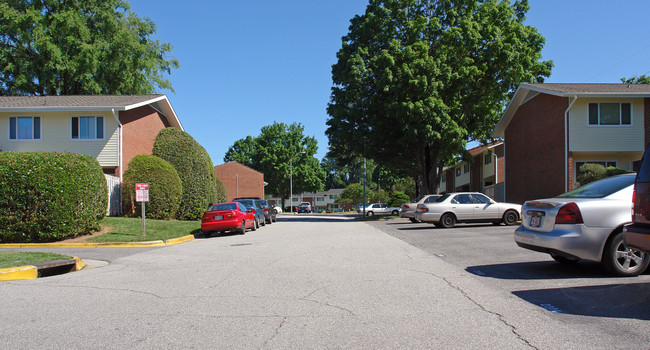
(142, 195)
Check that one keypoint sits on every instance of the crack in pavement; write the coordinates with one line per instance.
(106, 288)
(306, 298)
(277, 331)
(500, 317)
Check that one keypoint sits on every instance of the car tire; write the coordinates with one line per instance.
(415, 221)
(564, 260)
(395, 212)
(447, 220)
(255, 226)
(510, 218)
(370, 213)
(242, 229)
(622, 261)
(263, 222)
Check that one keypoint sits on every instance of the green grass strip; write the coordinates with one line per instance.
(14, 259)
(123, 229)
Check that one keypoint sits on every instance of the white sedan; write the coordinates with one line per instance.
(379, 209)
(451, 208)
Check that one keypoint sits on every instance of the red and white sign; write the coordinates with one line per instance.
(141, 192)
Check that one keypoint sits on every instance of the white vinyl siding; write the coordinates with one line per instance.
(463, 179)
(488, 168)
(584, 137)
(56, 137)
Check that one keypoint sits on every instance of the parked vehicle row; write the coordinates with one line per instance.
(238, 216)
(408, 209)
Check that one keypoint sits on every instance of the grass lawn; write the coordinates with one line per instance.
(121, 229)
(13, 259)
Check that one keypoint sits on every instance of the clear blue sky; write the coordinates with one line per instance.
(246, 64)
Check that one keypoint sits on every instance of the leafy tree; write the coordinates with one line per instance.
(379, 196)
(416, 79)
(77, 47)
(340, 174)
(271, 152)
(643, 79)
(353, 194)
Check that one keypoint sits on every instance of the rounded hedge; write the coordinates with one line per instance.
(194, 168)
(46, 196)
(165, 189)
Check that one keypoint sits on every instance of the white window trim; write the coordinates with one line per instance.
(86, 140)
(611, 126)
(24, 140)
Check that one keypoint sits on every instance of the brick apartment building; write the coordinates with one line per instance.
(240, 180)
(550, 130)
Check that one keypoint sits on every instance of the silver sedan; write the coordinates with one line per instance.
(408, 209)
(451, 208)
(586, 223)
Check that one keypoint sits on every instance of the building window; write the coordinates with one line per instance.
(24, 128)
(606, 164)
(87, 128)
(610, 114)
(320, 199)
(458, 171)
(332, 196)
(466, 168)
(487, 159)
(444, 178)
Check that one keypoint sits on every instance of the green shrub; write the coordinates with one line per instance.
(194, 168)
(611, 171)
(222, 194)
(50, 196)
(589, 172)
(165, 189)
(398, 198)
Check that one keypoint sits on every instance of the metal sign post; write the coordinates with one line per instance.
(142, 195)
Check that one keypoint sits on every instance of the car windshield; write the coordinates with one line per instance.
(247, 202)
(224, 206)
(601, 188)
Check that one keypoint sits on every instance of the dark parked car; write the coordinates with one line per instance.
(304, 207)
(231, 216)
(637, 234)
(257, 210)
(269, 211)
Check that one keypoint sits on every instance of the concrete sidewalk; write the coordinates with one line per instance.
(309, 284)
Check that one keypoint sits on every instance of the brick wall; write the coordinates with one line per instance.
(476, 173)
(240, 180)
(534, 138)
(139, 131)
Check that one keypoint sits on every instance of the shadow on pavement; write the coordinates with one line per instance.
(540, 270)
(612, 300)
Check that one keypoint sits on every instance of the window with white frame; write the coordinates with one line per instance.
(87, 128)
(610, 114)
(466, 168)
(25, 128)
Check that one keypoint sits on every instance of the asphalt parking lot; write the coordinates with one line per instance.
(488, 251)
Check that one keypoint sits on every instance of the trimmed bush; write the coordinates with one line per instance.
(398, 198)
(165, 189)
(46, 196)
(194, 168)
(589, 172)
(222, 194)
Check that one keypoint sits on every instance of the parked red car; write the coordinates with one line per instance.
(230, 216)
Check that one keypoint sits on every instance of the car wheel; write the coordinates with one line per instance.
(564, 260)
(447, 220)
(370, 213)
(413, 220)
(242, 229)
(395, 212)
(255, 225)
(623, 261)
(263, 222)
(510, 218)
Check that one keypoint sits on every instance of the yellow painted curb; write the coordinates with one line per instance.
(79, 265)
(179, 240)
(19, 273)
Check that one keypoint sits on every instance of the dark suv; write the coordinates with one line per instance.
(269, 212)
(637, 234)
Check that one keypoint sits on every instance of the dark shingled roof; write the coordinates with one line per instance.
(93, 101)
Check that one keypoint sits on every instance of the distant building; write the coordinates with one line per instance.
(240, 180)
(320, 201)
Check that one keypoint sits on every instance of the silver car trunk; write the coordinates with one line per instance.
(540, 215)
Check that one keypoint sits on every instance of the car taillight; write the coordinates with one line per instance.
(266, 210)
(405, 206)
(423, 209)
(569, 214)
(633, 201)
(231, 215)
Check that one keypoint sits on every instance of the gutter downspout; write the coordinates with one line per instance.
(566, 144)
(119, 155)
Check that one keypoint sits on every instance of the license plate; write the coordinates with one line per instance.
(535, 221)
(218, 217)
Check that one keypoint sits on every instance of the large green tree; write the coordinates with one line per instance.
(416, 79)
(271, 152)
(54, 47)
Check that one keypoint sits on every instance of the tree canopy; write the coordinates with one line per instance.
(271, 152)
(416, 80)
(79, 47)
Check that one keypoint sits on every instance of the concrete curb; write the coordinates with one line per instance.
(157, 243)
(30, 271)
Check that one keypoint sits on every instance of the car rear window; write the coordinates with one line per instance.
(224, 206)
(601, 188)
(644, 171)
